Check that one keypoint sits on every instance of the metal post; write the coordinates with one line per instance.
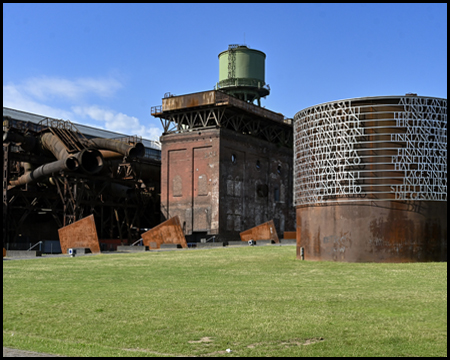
(302, 253)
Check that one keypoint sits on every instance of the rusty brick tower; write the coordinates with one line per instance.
(226, 162)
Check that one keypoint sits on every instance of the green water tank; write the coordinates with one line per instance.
(242, 73)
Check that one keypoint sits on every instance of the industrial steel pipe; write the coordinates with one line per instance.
(121, 147)
(45, 170)
(52, 143)
(90, 160)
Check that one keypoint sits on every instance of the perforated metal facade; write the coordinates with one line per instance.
(371, 149)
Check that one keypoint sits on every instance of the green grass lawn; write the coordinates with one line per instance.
(256, 301)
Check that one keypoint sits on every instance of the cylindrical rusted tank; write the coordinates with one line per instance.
(370, 179)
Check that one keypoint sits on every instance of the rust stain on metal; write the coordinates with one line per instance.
(168, 232)
(394, 232)
(189, 100)
(265, 231)
(80, 234)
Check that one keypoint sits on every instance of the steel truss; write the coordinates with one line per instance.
(227, 118)
(74, 198)
(81, 196)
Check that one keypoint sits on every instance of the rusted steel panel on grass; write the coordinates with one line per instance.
(265, 231)
(80, 234)
(168, 232)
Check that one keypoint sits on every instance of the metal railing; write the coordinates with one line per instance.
(156, 109)
(38, 243)
(132, 139)
(140, 240)
(21, 125)
(257, 83)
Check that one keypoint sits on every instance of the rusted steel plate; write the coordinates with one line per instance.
(265, 231)
(168, 232)
(80, 234)
(4, 252)
(393, 232)
(189, 100)
(289, 235)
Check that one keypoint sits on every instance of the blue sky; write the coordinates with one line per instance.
(105, 65)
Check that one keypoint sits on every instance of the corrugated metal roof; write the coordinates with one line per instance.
(84, 129)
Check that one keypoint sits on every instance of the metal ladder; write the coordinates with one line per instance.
(72, 139)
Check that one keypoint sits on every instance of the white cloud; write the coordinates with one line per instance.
(116, 121)
(14, 98)
(44, 88)
(61, 98)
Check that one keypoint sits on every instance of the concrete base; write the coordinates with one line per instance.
(264, 242)
(237, 243)
(22, 253)
(128, 248)
(210, 244)
(288, 241)
(82, 251)
(169, 246)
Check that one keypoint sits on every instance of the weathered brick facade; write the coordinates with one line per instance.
(220, 182)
